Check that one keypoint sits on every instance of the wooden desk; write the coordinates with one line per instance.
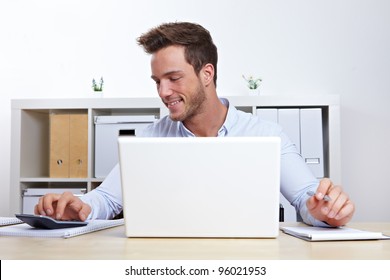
(112, 244)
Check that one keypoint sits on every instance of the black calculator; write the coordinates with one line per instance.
(45, 222)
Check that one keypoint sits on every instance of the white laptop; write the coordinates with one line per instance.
(200, 187)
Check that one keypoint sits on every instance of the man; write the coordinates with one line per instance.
(184, 68)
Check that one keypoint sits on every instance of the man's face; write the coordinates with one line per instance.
(178, 85)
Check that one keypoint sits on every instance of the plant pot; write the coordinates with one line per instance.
(97, 94)
(254, 92)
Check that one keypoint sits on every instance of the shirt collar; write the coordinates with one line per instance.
(231, 118)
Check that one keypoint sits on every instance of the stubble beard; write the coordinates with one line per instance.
(193, 106)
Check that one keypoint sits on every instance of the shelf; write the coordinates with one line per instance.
(48, 179)
(30, 132)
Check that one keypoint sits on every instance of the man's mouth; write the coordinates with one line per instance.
(173, 103)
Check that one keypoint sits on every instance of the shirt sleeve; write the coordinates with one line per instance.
(106, 200)
(296, 179)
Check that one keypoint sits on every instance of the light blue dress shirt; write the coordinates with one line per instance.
(296, 178)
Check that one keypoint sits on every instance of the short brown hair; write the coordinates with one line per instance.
(196, 40)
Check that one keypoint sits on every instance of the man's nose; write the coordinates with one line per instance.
(164, 90)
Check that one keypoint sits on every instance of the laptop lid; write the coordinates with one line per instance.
(200, 187)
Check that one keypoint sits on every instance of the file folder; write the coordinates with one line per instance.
(59, 145)
(290, 121)
(78, 146)
(312, 147)
(68, 146)
(268, 114)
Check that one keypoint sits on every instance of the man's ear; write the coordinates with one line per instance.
(207, 74)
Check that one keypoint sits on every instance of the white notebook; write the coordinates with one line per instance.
(332, 234)
(6, 221)
(27, 231)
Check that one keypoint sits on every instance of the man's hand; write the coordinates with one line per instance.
(64, 206)
(336, 212)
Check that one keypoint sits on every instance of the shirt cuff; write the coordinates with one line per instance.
(310, 220)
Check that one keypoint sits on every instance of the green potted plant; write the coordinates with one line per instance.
(98, 87)
(253, 84)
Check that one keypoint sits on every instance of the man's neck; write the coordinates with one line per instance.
(208, 123)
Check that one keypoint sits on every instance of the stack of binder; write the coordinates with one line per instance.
(68, 146)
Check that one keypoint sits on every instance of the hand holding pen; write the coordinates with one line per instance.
(325, 197)
(330, 204)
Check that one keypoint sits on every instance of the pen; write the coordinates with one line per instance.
(326, 197)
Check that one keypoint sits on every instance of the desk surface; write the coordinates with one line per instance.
(112, 244)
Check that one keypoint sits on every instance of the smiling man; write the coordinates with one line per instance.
(184, 67)
(189, 96)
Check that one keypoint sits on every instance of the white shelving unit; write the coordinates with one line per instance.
(30, 133)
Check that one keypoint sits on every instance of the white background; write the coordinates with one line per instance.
(53, 49)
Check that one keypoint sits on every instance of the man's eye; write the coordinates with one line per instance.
(173, 79)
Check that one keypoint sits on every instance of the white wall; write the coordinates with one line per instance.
(54, 49)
